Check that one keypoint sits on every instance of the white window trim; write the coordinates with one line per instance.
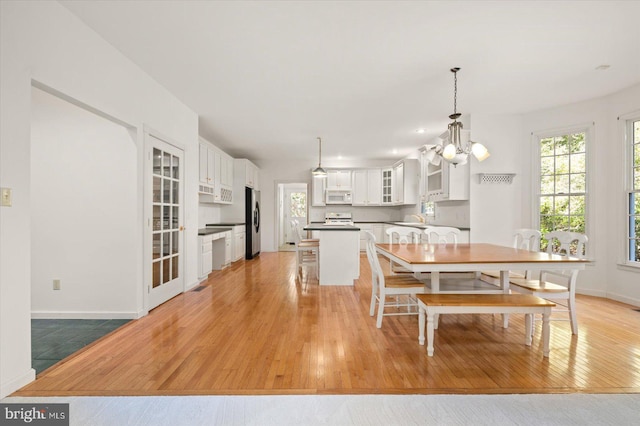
(625, 126)
(589, 132)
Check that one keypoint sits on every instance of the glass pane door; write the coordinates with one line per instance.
(166, 229)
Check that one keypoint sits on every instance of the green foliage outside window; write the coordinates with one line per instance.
(298, 204)
(563, 180)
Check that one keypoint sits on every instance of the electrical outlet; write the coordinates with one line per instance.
(56, 284)
(5, 199)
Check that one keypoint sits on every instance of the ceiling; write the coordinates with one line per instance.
(267, 78)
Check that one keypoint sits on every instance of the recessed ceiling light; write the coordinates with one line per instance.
(420, 131)
(395, 151)
(603, 67)
(339, 157)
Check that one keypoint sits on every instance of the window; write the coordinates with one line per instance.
(563, 183)
(633, 220)
(298, 204)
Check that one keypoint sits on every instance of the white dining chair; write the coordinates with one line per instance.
(307, 253)
(523, 239)
(390, 285)
(445, 235)
(402, 235)
(442, 235)
(558, 286)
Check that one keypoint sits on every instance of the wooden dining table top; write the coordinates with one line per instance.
(469, 253)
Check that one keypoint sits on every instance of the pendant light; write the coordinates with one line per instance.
(319, 172)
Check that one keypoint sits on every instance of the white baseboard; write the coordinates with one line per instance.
(591, 292)
(83, 315)
(623, 299)
(194, 284)
(17, 382)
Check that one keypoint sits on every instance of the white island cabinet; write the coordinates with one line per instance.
(339, 253)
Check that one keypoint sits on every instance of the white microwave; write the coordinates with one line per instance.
(336, 196)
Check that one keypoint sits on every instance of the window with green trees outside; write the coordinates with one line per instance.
(563, 184)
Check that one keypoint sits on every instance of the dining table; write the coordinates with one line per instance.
(434, 259)
(473, 257)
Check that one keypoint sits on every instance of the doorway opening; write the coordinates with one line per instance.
(84, 221)
(292, 205)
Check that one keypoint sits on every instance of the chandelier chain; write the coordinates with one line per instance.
(455, 92)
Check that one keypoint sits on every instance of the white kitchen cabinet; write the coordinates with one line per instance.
(446, 182)
(252, 175)
(205, 260)
(228, 247)
(367, 187)
(377, 229)
(247, 173)
(398, 180)
(363, 236)
(207, 164)
(406, 178)
(386, 238)
(339, 179)
(216, 175)
(387, 187)
(239, 248)
(378, 232)
(318, 186)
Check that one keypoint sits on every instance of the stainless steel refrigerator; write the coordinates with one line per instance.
(252, 221)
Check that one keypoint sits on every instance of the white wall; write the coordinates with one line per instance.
(495, 209)
(43, 41)
(606, 188)
(83, 213)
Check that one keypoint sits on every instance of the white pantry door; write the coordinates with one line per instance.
(165, 171)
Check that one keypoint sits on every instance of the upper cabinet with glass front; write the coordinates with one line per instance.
(446, 182)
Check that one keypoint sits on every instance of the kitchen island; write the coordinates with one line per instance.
(339, 256)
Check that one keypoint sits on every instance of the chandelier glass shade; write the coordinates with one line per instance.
(319, 172)
(456, 144)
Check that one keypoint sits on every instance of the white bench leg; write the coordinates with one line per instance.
(504, 285)
(430, 320)
(528, 323)
(421, 320)
(545, 332)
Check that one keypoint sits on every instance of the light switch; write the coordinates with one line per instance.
(6, 197)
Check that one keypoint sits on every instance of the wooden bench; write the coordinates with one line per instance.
(433, 304)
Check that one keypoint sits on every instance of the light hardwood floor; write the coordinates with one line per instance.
(254, 329)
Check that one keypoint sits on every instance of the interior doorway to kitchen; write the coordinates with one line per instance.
(292, 205)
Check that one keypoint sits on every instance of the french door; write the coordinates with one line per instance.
(165, 172)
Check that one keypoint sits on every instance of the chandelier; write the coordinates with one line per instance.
(319, 172)
(456, 145)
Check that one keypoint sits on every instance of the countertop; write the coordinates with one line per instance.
(421, 226)
(323, 227)
(225, 224)
(209, 231)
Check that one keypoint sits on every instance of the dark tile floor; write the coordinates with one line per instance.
(55, 339)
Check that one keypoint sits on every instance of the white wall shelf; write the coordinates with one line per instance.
(496, 178)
